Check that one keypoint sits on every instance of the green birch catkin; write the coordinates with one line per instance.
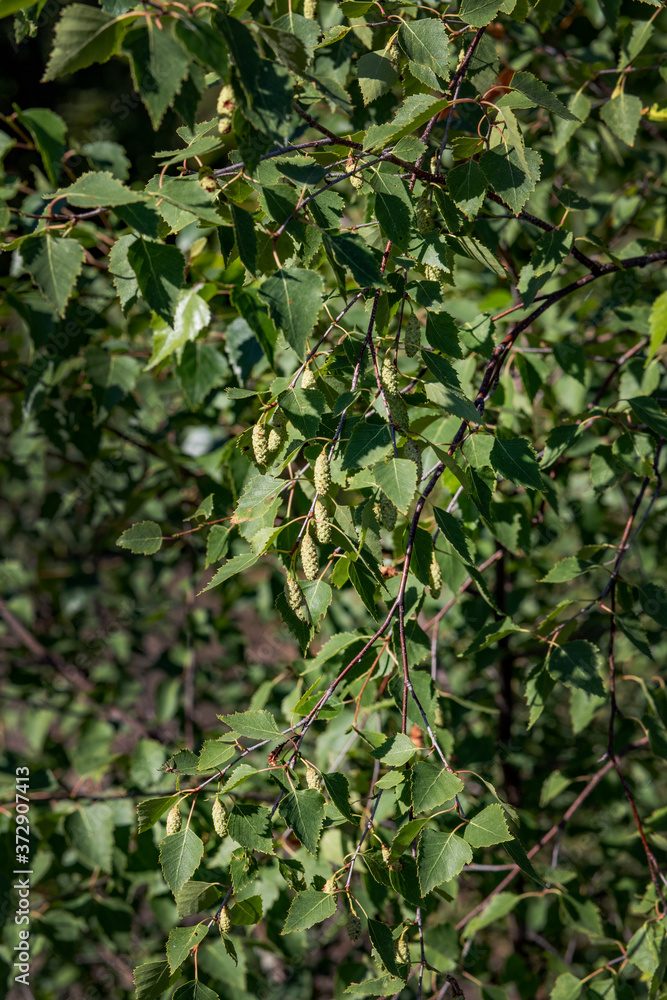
(308, 378)
(413, 452)
(322, 474)
(322, 523)
(413, 336)
(225, 921)
(399, 411)
(225, 109)
(219, 817)
(354, 926)
(259, 444)
(424, 213)
(435, 577)
(313, 779)
(294, 596)
(356, 180)
(309, 558)
(310, 9)
(388, 512)
(174, 820)
(389, 376)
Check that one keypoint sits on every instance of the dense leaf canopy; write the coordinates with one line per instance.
(332, 595)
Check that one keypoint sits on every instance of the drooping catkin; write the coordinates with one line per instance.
(322, 523)
(423, 213)
(174, 820)
(294, 596)
(308, 378)
(353, 927)
(403, 949)
(310, 9)
(386, 852)
(389, 376)
(225, 921)
(399, 411)
(274, 441)
(219, 817)
(413, 452)
(259, 444)
(435, 578)
(388, 512)
(313, 780)
(356, 180)
(413, 336)
(309, 558)
(225, 109)
(322, 473)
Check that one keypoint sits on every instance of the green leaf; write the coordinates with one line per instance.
(451, 398)
(497, 908)
(180, 854)
(124, 278)
(397, 478)
(393, 207)
(159, 66)
(255, 725)
(550, 251)
(350, 251)
(143, 538)
(488, 827)
(467, 185)
(566, 987)
(538, 93)
(518, 855)
(426, 44)
(369, 441)
(195, 897)
(159, 270)
(622, 115)
(201, 368)
(152, 979)
(505, 171)
(440, 858)
(339, 792)
(304, 409)
(213, 755)
(83, 36)
(318, 596)
(479, 13)
(250, 826)
(48, 131)
(246, 238)
(294, 298)
(566, 569)
(383, 942)
(381, 986)
(54, 265)
(395, 751)
(451, 528)
(650, 413)
(181, 941)
(515, 459)
(416, 110)
(441, 333)
(186, 194)
(576, 664)
(303, 811)
(150, 810)
(657, 324)
(376, 75)
(194, 990)
(307, 909)
(90, 831)
(233, 566)
(432, 786)
(192, 315)
(246, 912)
